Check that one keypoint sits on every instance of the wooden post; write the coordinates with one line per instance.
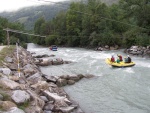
(8, 39)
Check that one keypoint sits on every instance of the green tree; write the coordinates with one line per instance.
(38, 26)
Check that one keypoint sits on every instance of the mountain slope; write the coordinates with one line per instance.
(29, 15)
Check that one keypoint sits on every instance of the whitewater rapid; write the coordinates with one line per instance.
(112, 90)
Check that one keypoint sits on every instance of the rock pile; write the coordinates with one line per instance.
(106, 48)
(139, 50)
(33, 91)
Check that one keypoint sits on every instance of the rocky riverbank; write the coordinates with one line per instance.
(133, 50)
(28, 90)
(139, 51)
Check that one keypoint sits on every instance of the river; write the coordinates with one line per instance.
(112, 90)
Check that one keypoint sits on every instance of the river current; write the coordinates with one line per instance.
(112, 90)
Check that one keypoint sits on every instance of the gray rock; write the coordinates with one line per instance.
(67, 109)
(37, 100)
(50, 78)
(45, 111)
(49, 107)
(74, 77)
(20, 97)
(35, 78)
(6, 71)
(44, 98)
(7, 83)
(61, 82)
(14, 110)
(8, 59)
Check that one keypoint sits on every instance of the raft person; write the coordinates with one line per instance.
(120, 57)
(112, 59)
(118, 60)
(129, 59)
(125, 59)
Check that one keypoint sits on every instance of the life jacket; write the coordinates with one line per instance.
(112, 59)
(120, 58)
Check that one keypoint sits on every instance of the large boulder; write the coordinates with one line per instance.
(8, 59)
(37, 101)
(6, 71)
(7, 83)
(40, 85)
(20, 96)
(35, 78)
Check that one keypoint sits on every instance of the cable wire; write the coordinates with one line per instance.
(21, 32)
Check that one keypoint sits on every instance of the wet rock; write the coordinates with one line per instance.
(88, 76)
(66, 109)
(49, 78)
(80, 76)
(41, 56)
(61, 82)
(74, 78)
(71, 82)
(64, 77)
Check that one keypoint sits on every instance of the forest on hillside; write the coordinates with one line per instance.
(95, 24)
(92, 24)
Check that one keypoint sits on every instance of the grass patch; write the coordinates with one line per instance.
(24, 105)
(5, 52)
(6, 97)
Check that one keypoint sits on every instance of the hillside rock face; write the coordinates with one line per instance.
(32, 90)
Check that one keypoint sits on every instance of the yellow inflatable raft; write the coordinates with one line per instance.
(121, 64)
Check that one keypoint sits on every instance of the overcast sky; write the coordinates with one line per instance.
(12, 5)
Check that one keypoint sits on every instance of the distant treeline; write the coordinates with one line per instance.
(93, 23)
(4, 23)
